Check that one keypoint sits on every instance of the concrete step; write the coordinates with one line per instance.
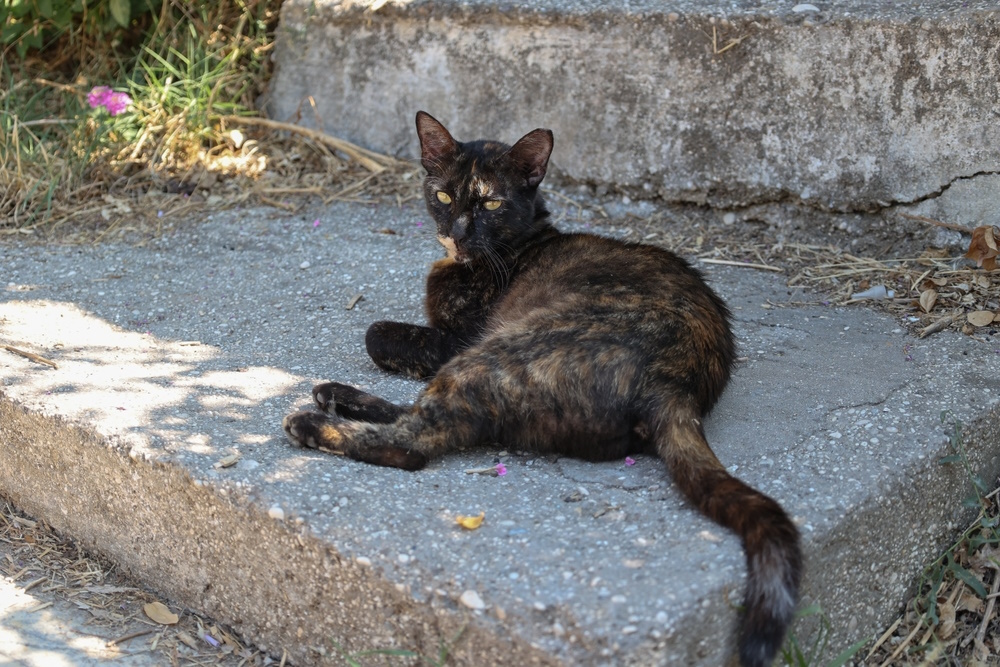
(852, 105)
(174, 355)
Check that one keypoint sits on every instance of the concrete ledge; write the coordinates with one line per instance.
(852, 108)
(174, 356)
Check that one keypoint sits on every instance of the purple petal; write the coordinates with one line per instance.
(117, 103)
(99, 96)
(629, 461)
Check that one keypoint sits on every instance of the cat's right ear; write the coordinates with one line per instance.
(435, 141)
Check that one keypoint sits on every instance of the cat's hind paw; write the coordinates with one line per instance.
(312, 430)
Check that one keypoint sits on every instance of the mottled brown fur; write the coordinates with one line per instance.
(572, 344)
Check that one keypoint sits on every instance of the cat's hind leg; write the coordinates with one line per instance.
(352, 403)
(361, 441)
(410, 349)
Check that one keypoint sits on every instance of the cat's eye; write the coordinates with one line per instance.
(443, 197)
(492, 205)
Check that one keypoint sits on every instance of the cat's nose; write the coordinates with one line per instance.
(459, 229)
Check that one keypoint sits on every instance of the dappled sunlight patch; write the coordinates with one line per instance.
(156, 393)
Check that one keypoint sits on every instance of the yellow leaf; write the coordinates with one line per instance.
(159, 612)
(470, 522)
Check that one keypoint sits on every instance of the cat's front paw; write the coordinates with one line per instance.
(329, 395)
(307, 429)
(352, 403)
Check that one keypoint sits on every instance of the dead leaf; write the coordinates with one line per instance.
(928, 256)
(983, 247)
(980, 318)
(969, 601)
(927, 299)
(946, 616)
(157, 611)
(354, 301)
(189, 640)
(470, 522)
(227, 461)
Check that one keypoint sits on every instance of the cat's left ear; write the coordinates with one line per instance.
(531, 155)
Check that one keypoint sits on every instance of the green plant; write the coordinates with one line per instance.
(187, 64)
(32, 24)
(444, 650)
(793, 654)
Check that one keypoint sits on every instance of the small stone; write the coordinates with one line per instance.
(363, 560)
(804, 7)
(472, 600)
(729, 218)
(629, 630)
(304, 265)
(276, 513)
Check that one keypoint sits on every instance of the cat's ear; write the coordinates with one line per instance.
(531, 155)
(435, 141)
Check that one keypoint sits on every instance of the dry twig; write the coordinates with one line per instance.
(30, 355)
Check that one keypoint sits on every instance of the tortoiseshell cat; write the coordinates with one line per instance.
(571, 344)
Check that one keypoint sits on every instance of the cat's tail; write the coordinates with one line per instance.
(770, 539)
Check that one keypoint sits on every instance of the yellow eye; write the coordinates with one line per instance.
(492, 205)
(443, 197)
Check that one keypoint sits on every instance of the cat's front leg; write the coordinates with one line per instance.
(410, 349)
(360, 441)
(352, 403)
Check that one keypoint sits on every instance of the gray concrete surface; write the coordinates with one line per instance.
(178, 353)
(847, 106)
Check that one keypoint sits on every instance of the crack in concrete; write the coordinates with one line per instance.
(703, 198)
(937, 193)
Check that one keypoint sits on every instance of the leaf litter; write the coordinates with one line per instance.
(130, 619)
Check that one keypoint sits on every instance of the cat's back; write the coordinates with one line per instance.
(588, 275)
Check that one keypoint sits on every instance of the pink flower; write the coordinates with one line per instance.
(315, 223)
(99, 96)
(501, 469)
(117, 103)
(102, 96)
(629, 461)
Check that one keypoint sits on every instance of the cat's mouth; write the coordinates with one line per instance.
(454, 252)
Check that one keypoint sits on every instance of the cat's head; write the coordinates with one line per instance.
(483, 195)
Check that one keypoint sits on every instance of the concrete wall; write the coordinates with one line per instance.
(847, 114)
